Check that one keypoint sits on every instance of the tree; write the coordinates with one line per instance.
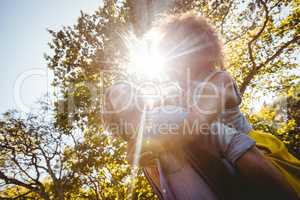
(31, 155)
(281, 118)
(260, 38)
(100, 162)
(40, 161)
(81, 55)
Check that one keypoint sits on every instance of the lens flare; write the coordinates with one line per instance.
(144, 59)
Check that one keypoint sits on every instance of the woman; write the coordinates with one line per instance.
(192, 44)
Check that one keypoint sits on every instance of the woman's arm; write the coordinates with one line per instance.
(122, 116)
(174, 125)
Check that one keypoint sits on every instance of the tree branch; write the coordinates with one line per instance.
(250, 50)
(224, 17)
(21, 196)
(279, 51)
(17, 182)
(276, 4)
(252, 73)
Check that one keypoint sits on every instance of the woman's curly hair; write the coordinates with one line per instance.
(190, 34)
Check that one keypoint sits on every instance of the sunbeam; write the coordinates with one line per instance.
(137, 152)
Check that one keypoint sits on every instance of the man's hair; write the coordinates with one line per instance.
(190, 34)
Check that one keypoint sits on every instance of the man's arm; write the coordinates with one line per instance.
(263, 178)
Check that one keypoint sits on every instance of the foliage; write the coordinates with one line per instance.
(31, 155)
(282, 118)
(39, 161)
(260, 39)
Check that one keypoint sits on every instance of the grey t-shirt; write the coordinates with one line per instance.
(220, 139)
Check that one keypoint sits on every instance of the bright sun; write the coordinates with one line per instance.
(144, 58)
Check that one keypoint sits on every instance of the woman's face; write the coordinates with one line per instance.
(188, 67)
(176, 71)
(174, 67)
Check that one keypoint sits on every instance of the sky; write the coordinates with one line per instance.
(24, 76)
(23, 40)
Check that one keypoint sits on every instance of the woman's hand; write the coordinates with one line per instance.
(148, 155)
